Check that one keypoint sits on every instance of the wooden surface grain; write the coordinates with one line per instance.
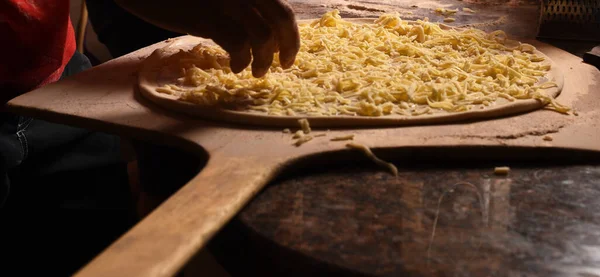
(242, 159)
(436, 219)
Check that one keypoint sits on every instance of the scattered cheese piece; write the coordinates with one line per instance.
(449, 19)
(298, 134)
(468, 10)
(320, 135)
(303, 140)
(445, 12)
(374, 158)
(342, 138)
(548, 138)
(304, 125)
(286, 131)
(503, 170)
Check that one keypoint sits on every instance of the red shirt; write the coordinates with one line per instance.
(37, 42)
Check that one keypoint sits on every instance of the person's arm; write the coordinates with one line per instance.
(250, 30)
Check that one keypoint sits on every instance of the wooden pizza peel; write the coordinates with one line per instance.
(242, 159)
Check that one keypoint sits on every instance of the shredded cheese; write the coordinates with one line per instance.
(445, 12)
(468, 10)
(304, 125)
(389, 67)
(503, 170)
(342, 138)
(286, 131)
(367, 151)
(303, 140)
(298, 134)
(449, 19)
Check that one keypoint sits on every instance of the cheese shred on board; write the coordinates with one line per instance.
(389, 67)
(342, 138)
(367, 151)
(303, 140)
(304, 125)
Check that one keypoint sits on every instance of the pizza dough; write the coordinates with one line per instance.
(417, 77)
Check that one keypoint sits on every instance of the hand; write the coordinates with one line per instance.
(249, 30)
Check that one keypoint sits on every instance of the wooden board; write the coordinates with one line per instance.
(243, 159)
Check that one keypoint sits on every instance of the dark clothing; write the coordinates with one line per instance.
(120, 31)
(123, 33)
(64, 190)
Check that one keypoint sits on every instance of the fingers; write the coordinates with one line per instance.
(254, 30)
(261, 39)
(251, 31)
(239, 52)
(279, 15)
(240, 59)
(232, 37)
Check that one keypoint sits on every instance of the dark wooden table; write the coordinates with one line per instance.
(434, 220)
(443, 219)
(518, 18)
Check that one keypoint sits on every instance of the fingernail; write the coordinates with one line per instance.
(261, 63)
(259, 72)
(240, 60)
(285, 61)
(236, 65)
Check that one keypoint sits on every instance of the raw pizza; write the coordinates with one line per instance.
(360, 72)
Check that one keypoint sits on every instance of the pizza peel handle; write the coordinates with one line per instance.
(163, 242)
